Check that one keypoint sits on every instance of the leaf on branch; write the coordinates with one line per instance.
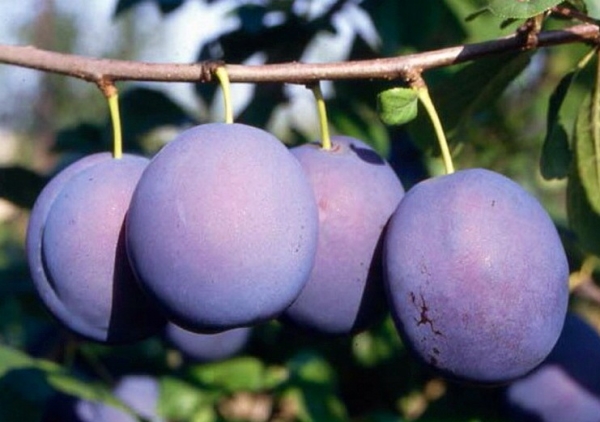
(593, 8)
(35, 380)
(583, 220)
(397, 106)
(587, 147)
(520, 9)
(556, 155)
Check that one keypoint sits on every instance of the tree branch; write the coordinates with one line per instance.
(102, 71)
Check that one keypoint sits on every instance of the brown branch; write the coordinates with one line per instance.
(101, 70)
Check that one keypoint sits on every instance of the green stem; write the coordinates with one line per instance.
(425, 98)
(322, 112)
(223, 77)
(115, 117)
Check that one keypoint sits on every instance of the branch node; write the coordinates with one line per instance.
(208, 69)
(529, 32)
(414, 78)
(107, 86)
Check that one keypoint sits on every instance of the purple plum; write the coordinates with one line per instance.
(76, 251)
(199, 347)
(356, 192)
(477, 276)
(222, 228)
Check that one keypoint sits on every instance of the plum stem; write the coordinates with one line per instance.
(322, 112)
(115, 117)
(223, 76)
(425, 98)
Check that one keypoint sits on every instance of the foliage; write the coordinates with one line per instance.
(513, 113)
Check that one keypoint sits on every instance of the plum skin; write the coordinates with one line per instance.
(476, 276)
(222, 228)
(566, 385)
(76, 251)
(196, 347)
(356, 193)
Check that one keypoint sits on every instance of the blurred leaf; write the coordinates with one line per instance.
(165, 6)
(593, 8)
(520, 9)
(312, 405)
(470, 90)
(583, 220)
(144, 109)
(397, 106)
(252, 17)
(356, 119)
(15, 279)
(265, 100)
(423, 25)
(20, 186)
(180, 400)
(373, 347)
(35, 380)
(587, 147)
(85, 138)
(556, 155)
(242, 373)
(310, 367)
(253, 37)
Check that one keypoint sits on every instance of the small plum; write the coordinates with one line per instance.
(356, 192)
(566, 386)
(138, 391)
(222, 228)
(197, 347)
(477, 276)
(76, 251)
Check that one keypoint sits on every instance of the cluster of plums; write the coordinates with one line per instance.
(225, 228)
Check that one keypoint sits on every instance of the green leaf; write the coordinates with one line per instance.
(593, 8)
(180, 400)
(583, 220)
(312, 368)
(243, 373)
(313, 404)
(397, 106)
(587, 148)
(35, 380)
(556, 155)
(520, 9)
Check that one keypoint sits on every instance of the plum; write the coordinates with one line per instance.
(356, 192)
(196, 347)
(222, 228)
(476, 275)
(76, 251)
(138, 391)
(566, 386)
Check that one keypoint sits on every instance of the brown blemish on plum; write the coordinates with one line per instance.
(423, 310)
